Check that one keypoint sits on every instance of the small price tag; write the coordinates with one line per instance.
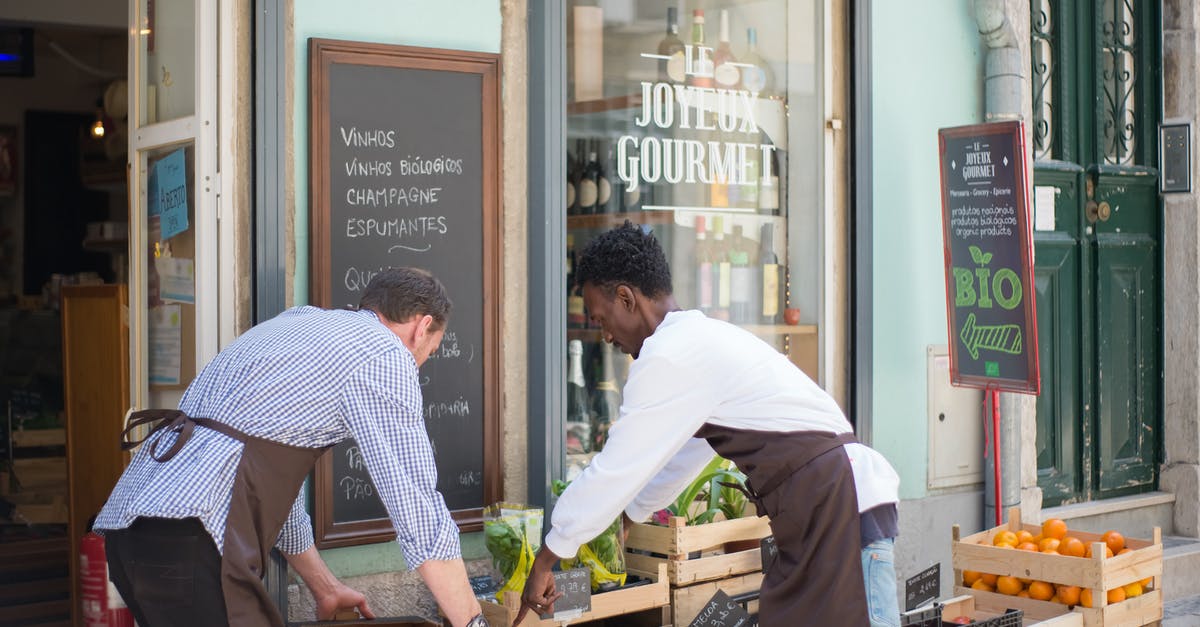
(483, 585)
(923, 588)
(576, 586)
(721, 611)
(769, 553)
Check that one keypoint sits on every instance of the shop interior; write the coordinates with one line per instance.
(63, 223)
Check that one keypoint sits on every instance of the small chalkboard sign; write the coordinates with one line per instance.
(770, 551)
(722, 611)
(576, 588)
(923, 588)
(483, 585)
(404, 171)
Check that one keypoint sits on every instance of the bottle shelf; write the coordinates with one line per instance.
(606, 220)
(615, 103)
(593, 335)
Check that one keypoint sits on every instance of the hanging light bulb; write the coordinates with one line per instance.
(98, 125)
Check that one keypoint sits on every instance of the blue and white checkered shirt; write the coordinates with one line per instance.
(310, 378)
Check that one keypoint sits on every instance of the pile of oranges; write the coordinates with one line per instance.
(1054, 540)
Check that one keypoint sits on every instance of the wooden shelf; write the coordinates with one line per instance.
(614, 103)
(113, 245)
(606, 220)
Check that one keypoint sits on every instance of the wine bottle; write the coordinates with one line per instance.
(768, 185)
(704, 268)
(725, 73)
(768, 263)
(572, 159)
(579, 424)
(670, 69)
(757, 75)
(589, 183)
(741, 278)
(606, 403)
(721, 271)
(702, 64)
(603, 185)
(576, 316)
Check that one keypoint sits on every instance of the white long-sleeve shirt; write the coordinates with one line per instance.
(695, 370)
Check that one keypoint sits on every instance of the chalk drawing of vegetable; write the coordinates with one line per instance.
(980, 257)
(1005, 338)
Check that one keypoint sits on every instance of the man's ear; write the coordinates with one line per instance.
(423, 327)
(626, 298)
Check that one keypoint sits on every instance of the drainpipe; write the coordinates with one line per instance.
(1003, 88)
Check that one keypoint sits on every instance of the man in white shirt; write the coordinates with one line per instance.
(700, 387)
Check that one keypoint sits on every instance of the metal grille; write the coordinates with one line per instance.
(1118, 81)
(1042, 52)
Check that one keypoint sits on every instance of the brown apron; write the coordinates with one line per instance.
(268, 479)
(804, 483)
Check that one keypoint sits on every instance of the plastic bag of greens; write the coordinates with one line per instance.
(513, 535)
(604, 555)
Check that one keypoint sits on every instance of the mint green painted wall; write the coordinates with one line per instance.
(459, 24)
(926, 73)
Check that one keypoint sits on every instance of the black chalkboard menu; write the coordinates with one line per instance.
(404, 167)
(990, 306)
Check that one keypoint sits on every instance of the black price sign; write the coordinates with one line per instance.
(770, 551)
(924, 588)
(483, 585)
(576, 588)
(990, 304)
(721, 611)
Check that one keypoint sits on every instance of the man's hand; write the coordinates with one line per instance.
(539, 594)
(341, 597)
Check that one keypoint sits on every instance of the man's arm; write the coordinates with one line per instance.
(670, 481)
(447, 580)
(330, 594)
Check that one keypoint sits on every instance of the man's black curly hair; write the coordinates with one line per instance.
(628, 255)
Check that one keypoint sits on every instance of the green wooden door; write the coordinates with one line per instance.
(1097, 246)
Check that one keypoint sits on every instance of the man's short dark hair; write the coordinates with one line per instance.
(627, 254)
(398, 294)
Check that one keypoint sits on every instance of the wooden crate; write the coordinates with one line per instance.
(975, 552)
(697, 553)
(687, 601)
(980, 608)
(637, 599)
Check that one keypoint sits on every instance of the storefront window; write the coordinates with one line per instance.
(167, 47)
(701, 122)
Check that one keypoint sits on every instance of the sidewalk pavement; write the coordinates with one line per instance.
(1183, 612)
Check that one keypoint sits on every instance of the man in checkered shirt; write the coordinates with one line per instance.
(219, 482)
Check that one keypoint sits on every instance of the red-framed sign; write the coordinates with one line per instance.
(991, 309)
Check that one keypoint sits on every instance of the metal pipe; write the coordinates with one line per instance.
(1004, 85)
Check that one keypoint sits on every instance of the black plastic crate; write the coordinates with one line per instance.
(932, 617)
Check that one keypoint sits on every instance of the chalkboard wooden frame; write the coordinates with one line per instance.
(323, 54)
(1010, 136)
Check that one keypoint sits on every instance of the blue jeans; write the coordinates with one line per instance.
(879, 577)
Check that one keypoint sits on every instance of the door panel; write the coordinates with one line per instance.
(1056, 277)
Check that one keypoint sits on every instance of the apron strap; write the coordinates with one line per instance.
(173, 420)
(796, 463)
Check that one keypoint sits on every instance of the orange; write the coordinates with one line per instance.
(1041, 591)
(1038, 538)
(989, 579)
(1116, 595)
(1010, 585)
(980, 585)
(1114, 540)
(1145, 583)
(1027, 546)
(1055, 599)
(1024, 594)
(1072, 546)
(1004, 537)
(970, 577)
(1051, 552)
(1124, 551)
(1132, 590)
(1085, 597)
(1068, 595)
(1024, 536)
(1049, 543)
(1054, 528)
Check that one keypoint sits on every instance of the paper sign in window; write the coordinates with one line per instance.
(166, 344)
(168, 193)
(176, 279)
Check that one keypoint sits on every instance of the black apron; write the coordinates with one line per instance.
(268, 479)
(803, 481)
